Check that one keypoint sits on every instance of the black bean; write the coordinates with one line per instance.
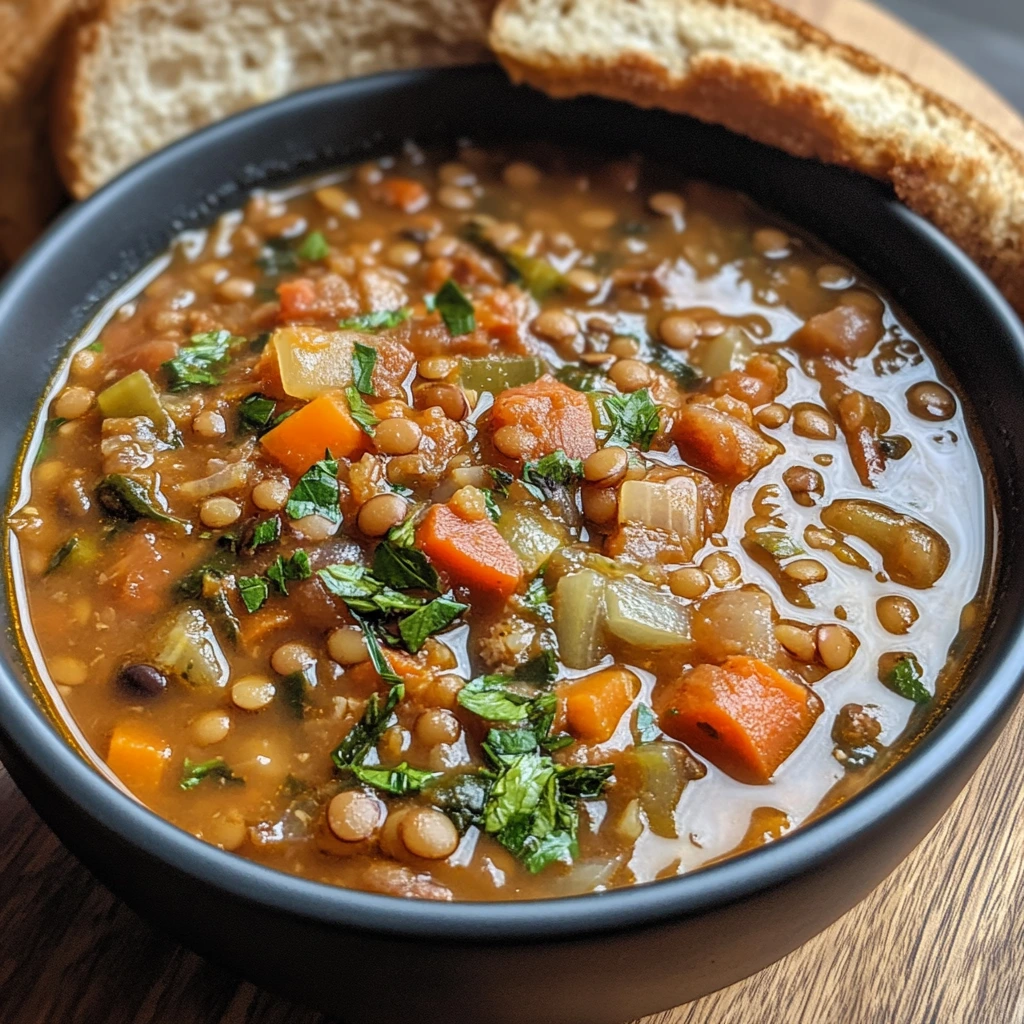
(142, 680)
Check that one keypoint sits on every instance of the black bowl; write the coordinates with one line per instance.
(588, 959)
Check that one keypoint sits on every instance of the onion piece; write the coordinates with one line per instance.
(191, 652)
(640, 615)
(230, 478)
(579, 618)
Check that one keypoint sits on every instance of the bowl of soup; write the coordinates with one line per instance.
(466, 538)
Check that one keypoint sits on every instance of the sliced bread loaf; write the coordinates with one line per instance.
(140, 73)
(761, 70)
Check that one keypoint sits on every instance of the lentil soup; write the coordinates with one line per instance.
(499, 528)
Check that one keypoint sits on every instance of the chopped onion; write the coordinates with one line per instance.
(579, 618)
(230, 478)
(673, 506)
(191, 652)
(643, 616)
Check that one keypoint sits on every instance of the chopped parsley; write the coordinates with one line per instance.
(905, 679)
(317, 492)
(364, 359)
(360, 411)
(381, 320)
(546, 477)
(431, 618)
(193, 772)
(265, 532)
(201, 361)
(493, 508)
(255, 411)
(538, 599)
(634, 417)
(365, 594)
(314, 248)
(58, 557)
(364, 735)
(456, 310)
(254, 591)
(284, 569)
(398, 781)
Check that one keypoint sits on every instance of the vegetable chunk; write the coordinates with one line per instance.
(720, 444)
(324, 425)
(473, 553)
(552, 416)
(138, 757)
(743, 716)
(594, 704)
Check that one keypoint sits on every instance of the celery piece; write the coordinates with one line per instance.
(135, 395)
(580, 618)
(494, 375)
(190, 650)
(532, 536)
(642, 616)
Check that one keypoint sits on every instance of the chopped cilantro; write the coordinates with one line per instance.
(398, 781)
(456, 310)
(431, 618)
(635, 419)
(363, 736)
(294, 568)
(364, 359)
(905, 679)
(201, 361)
(361, 412)
(381, 320)
(256, 411)
(544, 478)
(317, 492)
(254, 591)
(265, 532)
(314, 248)
(193, 772)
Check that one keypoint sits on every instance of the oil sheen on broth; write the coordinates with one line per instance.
(499, 527)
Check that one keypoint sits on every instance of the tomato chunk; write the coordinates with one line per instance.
(551, 416)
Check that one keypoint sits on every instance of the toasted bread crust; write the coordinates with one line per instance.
(970, 186)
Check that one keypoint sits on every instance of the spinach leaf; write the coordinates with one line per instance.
(584, 780)
(463, 797)
(646, 728)
(254, 591)
(265, 532)
(193, 772)
(380, 663)
(364, 735)
(681, 372)
(492, 698)
(403, 567)
(201, 361)
(364, 359)
(314, 248)
(905, 679)
(456, 310)
(398, 781)
(635, 419)
(360, 411)
(502, 743)
(296, 567)
(364, 593)
(58, 557)
(544, 478)
(126, 498)
(582, 378)
(381, 320)
(317, 492)
(256, 411)
(540, 671)
(431, 618)
(294, 689)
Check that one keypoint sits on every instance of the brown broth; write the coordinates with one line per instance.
(107, 603)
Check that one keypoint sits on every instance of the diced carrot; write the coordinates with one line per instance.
(297, 297)
(138, 757)
(552, 416)
(324, 424)
(407, 194)
(255, 628)
(848, 331)
(594, 704)
(720, 444)
(743, 716)
(472, 553)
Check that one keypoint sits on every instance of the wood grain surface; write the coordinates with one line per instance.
(942, 940)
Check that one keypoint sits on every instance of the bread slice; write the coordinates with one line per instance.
(760, 70)
(29, 187)
(138, 74)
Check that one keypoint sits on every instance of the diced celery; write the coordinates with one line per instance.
(643, 616)
(540, 277)
(579, 618)
(671, 506)
(190, 650)
(531, 535)
(496, 375)
(729, 351)
(665, 770)
(135, 395)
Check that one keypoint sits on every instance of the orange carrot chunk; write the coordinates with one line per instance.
(138, 757)
(297, 298)
(593, 705)
(550, 416)
(472, 553)
(743, 716)
(407, 194)
(301, 440)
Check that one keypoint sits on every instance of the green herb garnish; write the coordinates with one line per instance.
(265, 532)
(126, 498)
(361, 412)
(277, 257)
(681, 372)
(491, 503)
(402, 566)
(58, 557)
(635, 419)
(294, 689)
(364, 359)
(314, 247)
(646, 729)
(294, 568)
(254, 591)
(538, 599)
(381, 320)
(398, 781)
(546, 477)
(193, 772)
(431, 618)
(365, 594)
(905, 679)
(365, 734)
(256, 411)
(201, 361)
(456, 310)
(317, 492)
(463, 797)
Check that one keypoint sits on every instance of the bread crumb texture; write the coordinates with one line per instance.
(760, 70)
(140, 73)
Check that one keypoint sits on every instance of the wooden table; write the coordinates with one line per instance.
(942, 940)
